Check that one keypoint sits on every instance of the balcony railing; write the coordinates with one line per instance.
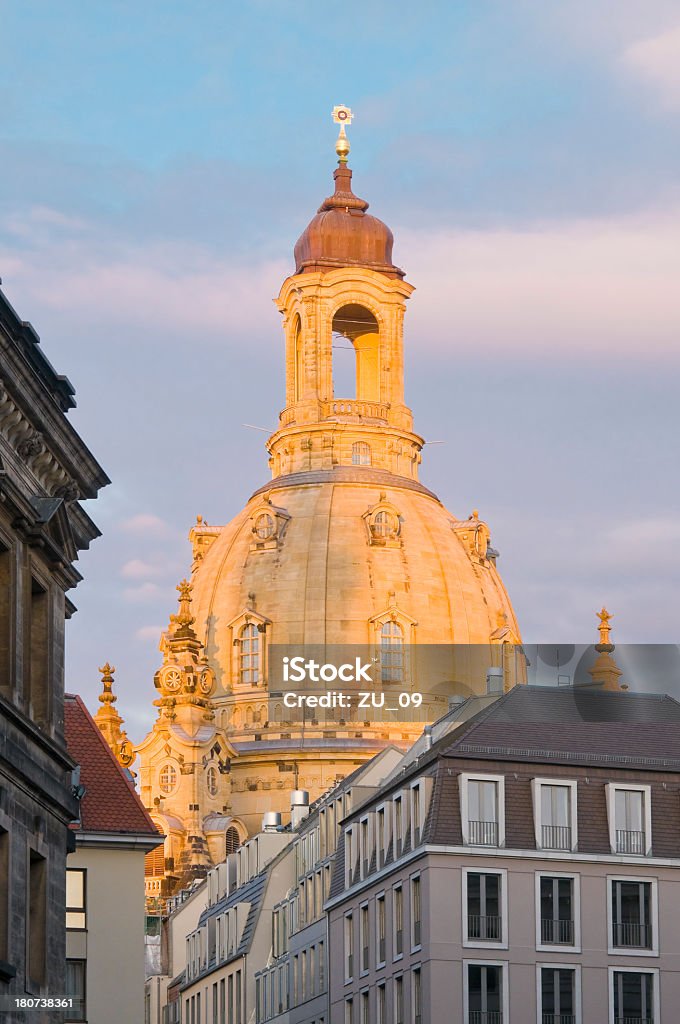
(556, 837)
(483, 833)
(632, 934)
(633, 1020)
(484, 927)
(355, 408)
(485, 1017)
(555, 931)
(630, 842)
(558, 1018)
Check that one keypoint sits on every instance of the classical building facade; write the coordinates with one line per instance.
(45, 469)
(344, 545)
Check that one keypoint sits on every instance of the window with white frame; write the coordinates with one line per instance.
(416, 813)
(365, 1018)
(558, 989)
(381, 929)
(633, 915)
(484, 907)
(417, 995)
(630, 819)
(249, 655)
(634, 996)
(416, 912)
(397, 921)
(485, 992)
(482, 799)
(558, 911)
(363, 937)
(399, 825)
(399, 999)
(349, 947)
(555, 814)
(382, 839)
(381, 1000)
(364, 846)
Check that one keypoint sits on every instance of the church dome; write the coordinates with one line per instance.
(342, 234)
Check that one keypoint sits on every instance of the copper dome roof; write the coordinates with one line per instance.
(342, 234)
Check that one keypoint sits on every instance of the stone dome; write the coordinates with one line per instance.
(342, 234)
(324, 576)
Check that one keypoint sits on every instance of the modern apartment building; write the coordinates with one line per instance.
(525, 867)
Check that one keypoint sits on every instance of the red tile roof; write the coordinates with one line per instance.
(111, 803)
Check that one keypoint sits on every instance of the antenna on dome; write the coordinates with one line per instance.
(342, 115)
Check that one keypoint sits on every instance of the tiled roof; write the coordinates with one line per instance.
(110, 803)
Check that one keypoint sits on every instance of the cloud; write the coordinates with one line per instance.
(591, 287)
(145, 522)
(137, 569)
(144, 592)
(657, 60)
(149, 632)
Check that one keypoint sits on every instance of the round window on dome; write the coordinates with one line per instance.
(211, 780)
(265, 527)
(167, 778)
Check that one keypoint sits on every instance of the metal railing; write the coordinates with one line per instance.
(483, 833)
(632, 934)
(485, 927)
(558, 1018)
(556, 837)
(633, 1020)
(630, 842)
(556, 931)
(485, 1017)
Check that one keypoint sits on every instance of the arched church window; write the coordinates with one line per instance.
(361, 454)
(265, 527)
(167, 779)
(249, 654)
(211, 780)
(385, 524)
(231, 841)
(391, 652)
(356, 356)
(299, 360)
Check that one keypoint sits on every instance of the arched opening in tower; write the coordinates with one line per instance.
(356, 354)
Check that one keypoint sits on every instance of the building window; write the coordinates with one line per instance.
(555, 814)
(632, 914)
(416, 813)
(483, 810)
(232, 841)
(634, 997)
(484, 901)
(249, 655)
(365, 1018)
(382, 1004)
(75, 988)
(75, 899)
(484, 993)
(349, 1011)
(364, 847)
(36, 919)
(398, 920)
(416, 921)
(265, 526)
(631, 831)
(361, 454)
(399, 826)
(558, 910)
(385, 525)
(211, 780)
(417, 996)
(399, 999)
(4, 890)
(364, 937)
(167, 778)
(380, 930)
(558, 995)
(391, 652)
(349, 947)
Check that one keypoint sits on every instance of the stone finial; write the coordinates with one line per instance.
(107, 696)
(605, 673)
(184, 618)
(604, 628)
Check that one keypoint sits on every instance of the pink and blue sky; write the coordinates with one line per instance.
(158, 162)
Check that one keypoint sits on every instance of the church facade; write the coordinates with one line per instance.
(344, 545)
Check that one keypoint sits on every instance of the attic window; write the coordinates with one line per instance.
(265, 526)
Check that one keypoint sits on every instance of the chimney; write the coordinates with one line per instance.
(427, 733)
(494, 680)
(271, 821)
(299, 806)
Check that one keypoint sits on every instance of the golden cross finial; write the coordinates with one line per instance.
(184, 616)
(342, 115)
(604, 627)
(106, 696)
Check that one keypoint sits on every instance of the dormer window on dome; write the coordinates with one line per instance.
(384, 524)
(269, 526)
